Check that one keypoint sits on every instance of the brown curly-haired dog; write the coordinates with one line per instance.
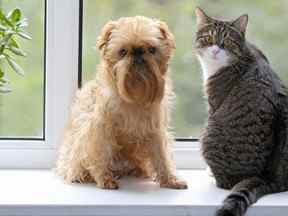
(119, 120)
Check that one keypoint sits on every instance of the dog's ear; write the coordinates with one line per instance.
(166, 34)
(105, 34)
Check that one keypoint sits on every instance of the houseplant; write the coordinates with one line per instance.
(11, 29)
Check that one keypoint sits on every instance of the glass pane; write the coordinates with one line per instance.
(266, 29)
(21, 110)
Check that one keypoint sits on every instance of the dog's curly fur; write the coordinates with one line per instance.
(119, 120)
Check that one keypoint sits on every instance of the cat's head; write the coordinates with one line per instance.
(219, 41)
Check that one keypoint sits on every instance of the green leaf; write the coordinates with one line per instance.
(14, 15)
(3, 28)
(4, 19)
(22, 23)
(17, 51)
(14, 43)
(24, 35)
(4, 80)
(10, 31)
(5, 39)
(1, 74)
(15, 66)
(5, 89)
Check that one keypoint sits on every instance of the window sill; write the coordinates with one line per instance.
(40, 192)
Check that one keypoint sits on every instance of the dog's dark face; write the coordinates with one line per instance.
(137, 51)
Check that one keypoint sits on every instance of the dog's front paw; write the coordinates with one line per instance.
(108, 184)
(174, 183)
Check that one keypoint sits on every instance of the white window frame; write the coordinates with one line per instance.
(62, 63)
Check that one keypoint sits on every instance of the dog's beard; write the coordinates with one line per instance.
(140, 83)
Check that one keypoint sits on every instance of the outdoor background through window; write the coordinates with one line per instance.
(21, 111)
(266, 28)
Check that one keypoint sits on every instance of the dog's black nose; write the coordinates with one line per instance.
(137, 52)
(138, 55)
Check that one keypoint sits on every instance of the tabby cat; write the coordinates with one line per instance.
(245, 142)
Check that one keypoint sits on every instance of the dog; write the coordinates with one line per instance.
(119, 121)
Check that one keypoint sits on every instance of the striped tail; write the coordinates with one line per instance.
(244, 194)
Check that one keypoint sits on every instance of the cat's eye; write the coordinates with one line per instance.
(152, 50)
(122, 52)
(209, 39)
(228, 43)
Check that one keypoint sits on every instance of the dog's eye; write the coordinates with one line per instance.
(122, 52)
(152, 50)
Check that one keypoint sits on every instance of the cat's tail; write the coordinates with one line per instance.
(244, 194)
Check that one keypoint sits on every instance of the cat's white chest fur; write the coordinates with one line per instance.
(212, 59)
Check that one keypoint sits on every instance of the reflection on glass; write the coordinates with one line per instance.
(267, 21)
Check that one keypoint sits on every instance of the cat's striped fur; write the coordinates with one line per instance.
(245, 142)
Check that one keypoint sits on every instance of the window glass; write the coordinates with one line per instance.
(267, 21)
(21, 110)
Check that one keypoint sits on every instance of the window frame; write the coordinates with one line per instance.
(61, 21)
(63, 75)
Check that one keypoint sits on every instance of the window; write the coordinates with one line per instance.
(64, 33)
(190, 110)
(22, 110)
(56, 22)
(186, 121)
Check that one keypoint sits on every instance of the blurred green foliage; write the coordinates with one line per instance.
(11, 28)
(267, 29)
(21, 111)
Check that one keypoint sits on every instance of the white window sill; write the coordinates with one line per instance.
(40, 192)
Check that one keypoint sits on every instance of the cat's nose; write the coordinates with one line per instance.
(215, 50)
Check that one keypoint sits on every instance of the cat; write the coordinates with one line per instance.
(245, 141)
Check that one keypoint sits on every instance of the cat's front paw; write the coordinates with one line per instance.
(224, 212)
(232, 207)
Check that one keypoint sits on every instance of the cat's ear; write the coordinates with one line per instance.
(241, 23)
(201, 18)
